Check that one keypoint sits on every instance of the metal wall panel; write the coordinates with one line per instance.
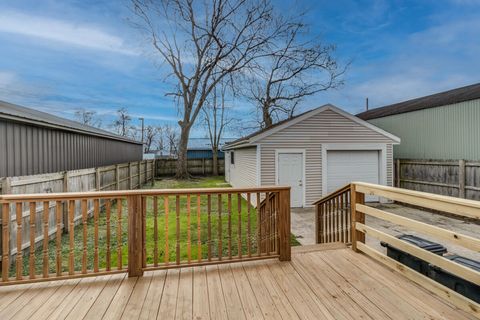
(444, 133)
(27, 150)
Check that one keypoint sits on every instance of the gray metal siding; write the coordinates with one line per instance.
(310, 134)
(443, 133)
(27, 150)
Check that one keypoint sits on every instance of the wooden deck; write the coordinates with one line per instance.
(322, 282)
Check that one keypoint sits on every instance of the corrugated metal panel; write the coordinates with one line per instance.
(310, 134)
(203, 154)
(444, 133)
(27, 150)
(244, 172)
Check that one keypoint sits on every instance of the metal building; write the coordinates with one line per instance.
(442, 126)
(34, 142)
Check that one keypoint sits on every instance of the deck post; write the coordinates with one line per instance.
(135, 236)
(283, 226)
(356, 197)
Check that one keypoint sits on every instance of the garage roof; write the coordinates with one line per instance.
(10, 111)
(260, 134)
(467, 93)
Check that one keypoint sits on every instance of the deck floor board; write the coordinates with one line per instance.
(334, 283)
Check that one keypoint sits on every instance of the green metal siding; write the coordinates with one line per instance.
(443, 133)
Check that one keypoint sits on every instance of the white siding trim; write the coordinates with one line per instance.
(381, 147)
(304, 181)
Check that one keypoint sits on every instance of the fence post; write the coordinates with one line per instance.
(97, 178)
(129, 176)
(397, 173)
(117, 177)
(356, 197)
(153, 172)
(283, 226)
(461, 178)
(65, 207)
(139, 173)
(135, 236)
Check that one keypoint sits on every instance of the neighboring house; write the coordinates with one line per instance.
(443, 126)
(315, 153)
(34, 142)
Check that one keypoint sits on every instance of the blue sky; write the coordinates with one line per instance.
(57, 56)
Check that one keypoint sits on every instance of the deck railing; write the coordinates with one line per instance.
(141, 230)
(332, 217)
(459, 207)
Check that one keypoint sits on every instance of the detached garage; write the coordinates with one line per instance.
(315, 153)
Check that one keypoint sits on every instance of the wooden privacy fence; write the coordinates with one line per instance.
(116, 177)
(458, 178)
(459, 207)
(196, 167)
(141, 230)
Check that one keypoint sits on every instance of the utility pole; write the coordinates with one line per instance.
(366, 103)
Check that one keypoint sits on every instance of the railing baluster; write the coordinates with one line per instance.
(84, 208)
(209, 226)
(199, 239)
(249, 235)
(239, 236)
(144, 230)
(96, 212)
(219, 211)
(33, 212)
(119, 234)
(229, 226)
(189, 249)
(267, 222)
(165, 205)
(177, 208)
(71, 227)
(108, 209)
(58, 213)
(337, 213)
(19, 260)
(155, 231)
(259, 229)
(5, 241)
(46, 215)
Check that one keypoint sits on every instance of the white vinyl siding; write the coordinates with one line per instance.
(227, 166)
(323, 128)
(244, 172)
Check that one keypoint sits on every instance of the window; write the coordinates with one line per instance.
(232, 157)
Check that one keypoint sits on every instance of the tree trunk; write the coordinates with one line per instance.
(267, 118)
(215, 161)
(182, 170)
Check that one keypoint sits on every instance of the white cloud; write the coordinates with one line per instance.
(6, 78)
(62, 31)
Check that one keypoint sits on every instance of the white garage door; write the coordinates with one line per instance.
(345, 166)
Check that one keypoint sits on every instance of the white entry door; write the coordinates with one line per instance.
(290, 173)
(345, 166)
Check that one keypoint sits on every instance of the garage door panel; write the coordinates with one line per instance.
(345, 166)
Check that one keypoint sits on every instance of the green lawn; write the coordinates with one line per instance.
(224, 243)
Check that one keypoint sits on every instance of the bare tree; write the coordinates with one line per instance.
(294, 69)
(171, 139)
(151, 135)
(202, 43)
(216, 120)
(88, 117)
(122, 123)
